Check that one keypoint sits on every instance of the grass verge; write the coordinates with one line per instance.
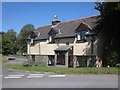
(3, 59)
(61, 70)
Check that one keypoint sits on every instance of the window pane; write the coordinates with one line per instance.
(50, 39)
(83, 35)
(51, 60)
(78, 36)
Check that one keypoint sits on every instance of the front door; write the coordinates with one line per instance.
(60, 58)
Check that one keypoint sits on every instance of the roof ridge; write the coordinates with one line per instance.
(80, 18)
(72, 20)
(36, 31)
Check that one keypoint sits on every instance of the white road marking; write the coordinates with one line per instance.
(34, 76)
(15, 75)
(56, 76)
(12, 77)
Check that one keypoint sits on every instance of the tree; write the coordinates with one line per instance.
(9, 42)
(1, 35)
(108, 31)
(22, 37)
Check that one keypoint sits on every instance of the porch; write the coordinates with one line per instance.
(64, 56)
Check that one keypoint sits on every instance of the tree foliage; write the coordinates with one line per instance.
(13, 43)
(1, 34)
(108, 31)
(9, 42)
(22, 37)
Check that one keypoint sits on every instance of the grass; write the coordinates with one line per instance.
(61, 70)
(3, 59)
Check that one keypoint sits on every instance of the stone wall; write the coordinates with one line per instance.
(41, 60)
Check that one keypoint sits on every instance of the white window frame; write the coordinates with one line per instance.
(32, 41)
(50, 39)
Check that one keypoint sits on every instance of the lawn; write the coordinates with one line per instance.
(61, 70)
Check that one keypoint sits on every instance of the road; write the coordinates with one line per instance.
(25, 79)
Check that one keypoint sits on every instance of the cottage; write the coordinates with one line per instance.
(63, 44)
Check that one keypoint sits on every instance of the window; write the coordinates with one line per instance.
(32, 42)
(81, 61)
(51, 39)
(78, 35)
(59, 32)
(38, 34)
(81, 36)
(33, 58)
(51, 60)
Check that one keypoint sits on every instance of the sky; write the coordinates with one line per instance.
(17, 14)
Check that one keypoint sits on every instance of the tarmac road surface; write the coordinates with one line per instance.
(22, 79)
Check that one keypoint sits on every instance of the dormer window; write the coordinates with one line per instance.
(38, 34)
(59, 31)
(81, 36)
(32, 42)
(51, 39)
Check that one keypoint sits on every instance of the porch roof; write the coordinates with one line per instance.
(63, 48)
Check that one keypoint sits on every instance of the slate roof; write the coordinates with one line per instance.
(34, 33)
(54, 31)
(63, 48)
(67, 29)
